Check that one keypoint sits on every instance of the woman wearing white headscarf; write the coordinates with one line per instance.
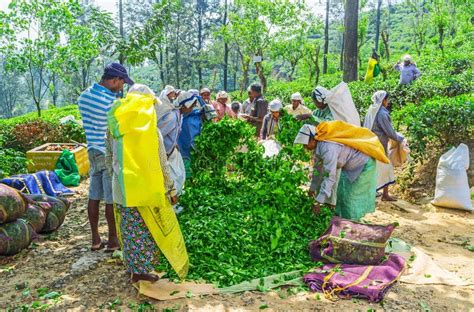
(334, 104)
(297, 107)
(140, 249)
(356, 186)
(271, 121)
(378, 120)
(169, 115)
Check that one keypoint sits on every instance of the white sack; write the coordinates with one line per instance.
(452, 187)
(177, 170)
(272, 148)
(342, 106)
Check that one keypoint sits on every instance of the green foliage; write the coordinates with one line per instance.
(245, 217)
(11, 162)
(437, 124)
(20, 134)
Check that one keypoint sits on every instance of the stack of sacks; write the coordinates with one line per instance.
(22, 216)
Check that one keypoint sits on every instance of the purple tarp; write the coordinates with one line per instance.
(352, 280)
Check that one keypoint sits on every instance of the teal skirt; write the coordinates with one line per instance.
(356, 199)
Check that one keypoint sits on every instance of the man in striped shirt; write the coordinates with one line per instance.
(94, 104)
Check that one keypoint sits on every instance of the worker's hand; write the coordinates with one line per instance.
(303, 116)
(174, 200)
(316, 208)
(311, 193)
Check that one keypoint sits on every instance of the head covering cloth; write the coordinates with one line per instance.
(377, 100)
(275, 105)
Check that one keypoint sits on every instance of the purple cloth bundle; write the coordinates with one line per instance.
(359, 281)
(350, 242)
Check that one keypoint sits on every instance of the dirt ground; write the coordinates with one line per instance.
(51, 265)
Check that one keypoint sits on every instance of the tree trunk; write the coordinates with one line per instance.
(177, 54)
(326, 40)
(200, 7)
(162, 69)
(341, 57)
(261, 75)
(316, 64)
(121, 56)
(441, 38)
(351, 18)
(226, 48)
(245, 74)
(385, 40)
(54, 92)
(377, 26)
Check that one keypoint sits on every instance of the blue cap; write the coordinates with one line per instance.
(117, 70)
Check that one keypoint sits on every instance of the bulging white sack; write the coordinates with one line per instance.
(452, 187)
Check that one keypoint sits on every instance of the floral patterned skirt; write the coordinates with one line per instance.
(140, 252)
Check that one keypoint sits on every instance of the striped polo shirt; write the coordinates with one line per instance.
(94, 104)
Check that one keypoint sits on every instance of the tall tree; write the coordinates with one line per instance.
(226, 47)
(351, 18)
(40, 53)
(326, 39)
(255, 25)
(377, 25)
(122, 34)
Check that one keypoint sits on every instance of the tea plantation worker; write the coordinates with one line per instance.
(170, 121)
(235, 106)
(259, 109)
(221, 107)
(190, 129)
(296, 107)
(248, 103)
(205, 93)
(378, 120)
(94, 104)
(339, 145)
(408, 70)
(322, 111)
(373, 67)
(141, 182)
(271, 120)
(209, 113)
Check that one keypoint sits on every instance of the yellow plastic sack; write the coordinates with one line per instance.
(132, 123)
(359, 138)
(164, 227)
(369, 75)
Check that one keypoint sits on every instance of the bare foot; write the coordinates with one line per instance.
(389, 198)
(144, 277)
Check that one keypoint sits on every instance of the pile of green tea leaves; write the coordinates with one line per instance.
(245, 217)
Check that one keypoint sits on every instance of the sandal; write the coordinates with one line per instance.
(99, 246)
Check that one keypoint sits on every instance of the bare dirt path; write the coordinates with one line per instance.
(61, 266)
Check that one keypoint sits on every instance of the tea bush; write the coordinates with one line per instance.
(20, 134)
(438, 123)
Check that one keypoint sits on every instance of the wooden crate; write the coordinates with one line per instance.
(41, 159)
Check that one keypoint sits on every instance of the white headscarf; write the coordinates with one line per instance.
(204, 90)
(186, 99)
(297, 96)
(320, 94)
(166, 105)
(222, 95)
(275, 105)
(141, 88)
(193, 91)
(377, 100)
(407, 58)
(306, 132)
